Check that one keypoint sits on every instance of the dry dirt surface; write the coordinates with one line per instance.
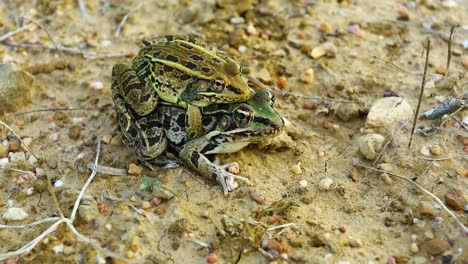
(317, 195)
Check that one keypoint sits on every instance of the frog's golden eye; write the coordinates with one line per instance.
(218, 86)
(243, 116)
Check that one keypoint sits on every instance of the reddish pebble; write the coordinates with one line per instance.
(465, 149)
(273, 219)
(212, 258)
(325, 124)
(300, 36)
(11, 260)
(50, 118)
(465, 61)
(175, 246)
(441, 70)
(102, 208)
(342, 229)
(309, 106)
(282, 81)
(20, 124)
(156, 201)
(403, 13)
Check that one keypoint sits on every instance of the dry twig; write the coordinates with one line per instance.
(463, 227)
(73, 51)
(124, 19)
(428, 47)
(59, 220)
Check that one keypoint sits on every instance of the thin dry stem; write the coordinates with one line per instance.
(124, 19)
(462, 226)
(445, 158)
(388, 143)
(423, 84)
(83, 11)
(74, 51)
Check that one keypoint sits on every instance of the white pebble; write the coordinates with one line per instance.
(425, 151)
(9, 203)
(236, 20)
(58, 184)
(4, 162)
(303, 183)
(242, 48)
(325, 184)
(32, 160)
(251, 29)
(96, 86)
(108, 227)
(40, 172)
(15, 214)
(296, 168)
(449, 4)
(105, 43)
(30, 191)
(17, 157)
(54, 137)
(465, 120)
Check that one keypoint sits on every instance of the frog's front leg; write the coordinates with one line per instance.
(193, 154)
(133, 87)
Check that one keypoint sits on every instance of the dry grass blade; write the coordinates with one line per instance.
(125, 18)
(423, 84)
(462, 226)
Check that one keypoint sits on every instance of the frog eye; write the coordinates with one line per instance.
(272, 97)
(243, 116)
(218, 86)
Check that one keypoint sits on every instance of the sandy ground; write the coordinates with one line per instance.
(362, 216)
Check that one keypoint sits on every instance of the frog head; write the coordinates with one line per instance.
(238, 124)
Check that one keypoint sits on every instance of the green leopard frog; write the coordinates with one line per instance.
(227, 128)
(178, 69)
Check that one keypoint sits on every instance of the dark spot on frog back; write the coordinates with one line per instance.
(191, 65)
(196, 57)
(172, 58)
(206, 69)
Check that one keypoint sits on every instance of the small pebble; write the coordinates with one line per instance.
(108, 227)
(449, 3)
(40, 172)
(425, 151)
(30, 191)
(116, 141)
(308, 76)
(455, 198)
(14, 214)
(325, 184)
(107, 139)
(251, 29)
(54, 137)
(3, 151)
(257, 196)
(330, 48)
(441, 70)
(414, 248)
(105, 43)
(32, 160)
(27, 141)
(325, 27)
(134, 169)
(236, 20)
(403, 13)
(242, 48)
(145, 205)
(465, 61)
(4, 162)
(74, 132)
(318, 52)
(96, 86)
(156, 201)
(436, 246)
(212, 258)
(436, 150)
(282, 81)
(17, 157)
(296, 168)
(303, 183)
(58, 184)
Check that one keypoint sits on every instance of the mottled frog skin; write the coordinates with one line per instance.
(226, 128)
(181, 70)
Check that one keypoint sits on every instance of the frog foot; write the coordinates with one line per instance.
(228, 180)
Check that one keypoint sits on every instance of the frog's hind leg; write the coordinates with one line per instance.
(134, 88)
(144, 137)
